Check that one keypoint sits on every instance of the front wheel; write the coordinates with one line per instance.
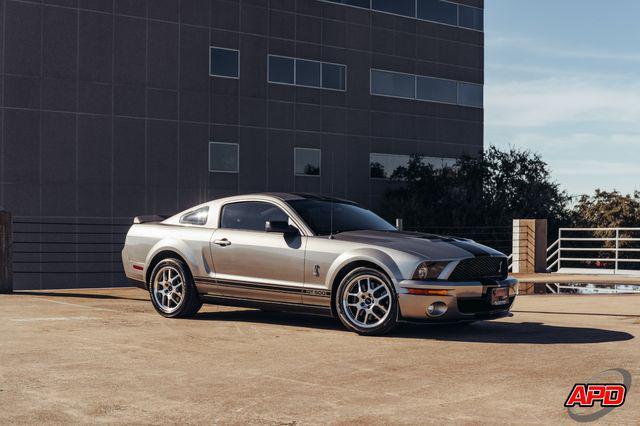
(366, 302)
(172, 289)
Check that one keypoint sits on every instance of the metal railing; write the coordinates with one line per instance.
(595, 250)
(594, 288)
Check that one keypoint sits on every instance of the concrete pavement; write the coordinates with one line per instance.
(88, 356)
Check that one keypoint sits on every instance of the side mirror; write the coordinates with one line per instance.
(279, 227)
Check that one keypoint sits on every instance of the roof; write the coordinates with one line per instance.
(283, 196)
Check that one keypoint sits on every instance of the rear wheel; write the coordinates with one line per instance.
(172, 289)
(366, 302)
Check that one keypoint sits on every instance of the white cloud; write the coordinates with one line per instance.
(596, 168)
(579, 107)
(561, 100)
(576, 141)
(558, 51)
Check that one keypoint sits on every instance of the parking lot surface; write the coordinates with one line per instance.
(85, 356)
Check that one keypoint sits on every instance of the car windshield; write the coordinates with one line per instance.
(346, 217)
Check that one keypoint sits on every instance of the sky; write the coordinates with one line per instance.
(562, 78)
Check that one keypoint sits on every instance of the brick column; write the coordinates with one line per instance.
(529, 249)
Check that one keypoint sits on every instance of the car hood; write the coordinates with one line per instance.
(428, 246)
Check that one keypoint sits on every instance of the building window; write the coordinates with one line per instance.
(397, 7)
(383, 166)
(437, 90)
(438, 11)
(366, 4)
(307, 161)
(281, 70)
(223, 157)
(470, 94)
(423, 88)
(388, 83)
(470, 17)
(307, 73)
(224, 62)
(334, 76)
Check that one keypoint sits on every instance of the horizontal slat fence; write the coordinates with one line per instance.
(57, 252)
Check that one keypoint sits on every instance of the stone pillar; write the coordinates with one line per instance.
(529, 249)
(6, 273)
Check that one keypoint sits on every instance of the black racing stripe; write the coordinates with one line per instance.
(303, 306)
(266, 287)
(472, 248)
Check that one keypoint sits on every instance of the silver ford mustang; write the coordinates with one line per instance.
(280, 251)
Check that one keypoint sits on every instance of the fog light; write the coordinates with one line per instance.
(436, 309)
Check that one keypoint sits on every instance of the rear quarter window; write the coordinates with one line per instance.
(196, 217)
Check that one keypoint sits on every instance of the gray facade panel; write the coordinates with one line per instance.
(163, 52)
(59, 42)
(129, 57)
(95, 47)
(59, 94)
(22, 38)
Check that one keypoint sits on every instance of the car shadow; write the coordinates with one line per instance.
(480, 332)
(292, 319)
(591, 314)
(76, 295)
(514, 333)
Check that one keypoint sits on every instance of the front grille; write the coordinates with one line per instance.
(479, 306)
(477, 268)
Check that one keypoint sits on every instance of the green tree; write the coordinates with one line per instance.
(490, 189)
(608, 210)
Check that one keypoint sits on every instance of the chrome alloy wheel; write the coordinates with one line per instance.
(168, 289)
(367, 301)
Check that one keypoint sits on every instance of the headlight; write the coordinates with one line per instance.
(429, 270)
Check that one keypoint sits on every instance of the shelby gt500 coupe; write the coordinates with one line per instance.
(317, 254)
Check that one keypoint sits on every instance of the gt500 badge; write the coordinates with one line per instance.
(314, 292)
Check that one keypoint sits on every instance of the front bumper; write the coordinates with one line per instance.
(465, 301)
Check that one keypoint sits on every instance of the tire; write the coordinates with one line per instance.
(366, 302)
(172, 289)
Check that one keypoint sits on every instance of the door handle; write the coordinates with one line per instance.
(223, 242)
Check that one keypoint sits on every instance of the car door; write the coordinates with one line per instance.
(251, 263)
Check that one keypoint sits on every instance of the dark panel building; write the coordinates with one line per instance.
(116, 108)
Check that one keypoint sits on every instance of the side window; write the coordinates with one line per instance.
(196, 217)
(250, 215)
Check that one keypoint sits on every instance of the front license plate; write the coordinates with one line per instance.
(500, 296)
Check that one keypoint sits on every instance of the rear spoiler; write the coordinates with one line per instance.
(149, 218)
